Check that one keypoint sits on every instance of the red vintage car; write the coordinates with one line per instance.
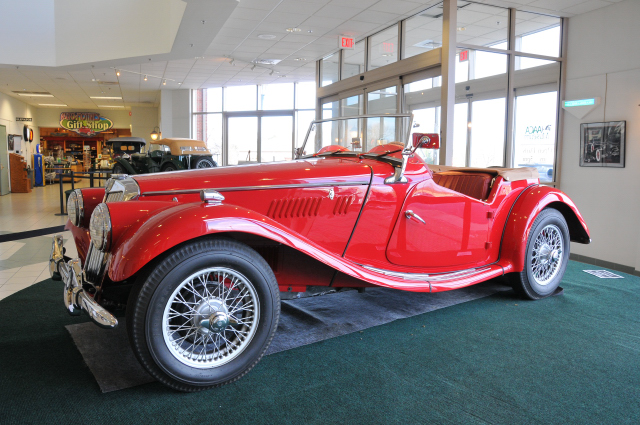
(200, 257)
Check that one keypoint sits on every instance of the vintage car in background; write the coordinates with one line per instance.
(200, 257)
(166, 155)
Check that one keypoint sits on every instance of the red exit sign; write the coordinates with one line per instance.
(345, 42)
(464, 56)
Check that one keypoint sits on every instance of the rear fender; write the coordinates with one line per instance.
(525, 211)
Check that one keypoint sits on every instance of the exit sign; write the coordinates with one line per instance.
(464, 56)
(580, 102)
(345, 42)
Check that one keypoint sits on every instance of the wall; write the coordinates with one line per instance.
(10, 108)
(143, 121)
(603, 61)
(175, 113)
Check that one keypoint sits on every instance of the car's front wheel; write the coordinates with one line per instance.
(203, 162)
(205, 315)
(546, 256)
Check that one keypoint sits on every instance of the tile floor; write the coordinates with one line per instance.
(25, 262)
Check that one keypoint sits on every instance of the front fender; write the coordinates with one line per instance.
(127, 165)
(523, 214)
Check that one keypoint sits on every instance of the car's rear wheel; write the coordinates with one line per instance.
(203, 162)
(169, 167)
(546, 256)
(119, 169)
(205, 315)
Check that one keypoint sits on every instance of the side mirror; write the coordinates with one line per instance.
(426, 140)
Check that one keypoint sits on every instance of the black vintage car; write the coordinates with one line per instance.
(164, 155)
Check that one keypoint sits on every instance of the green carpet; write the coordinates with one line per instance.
(573, 358)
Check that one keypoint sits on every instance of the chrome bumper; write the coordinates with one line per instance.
(75, 298)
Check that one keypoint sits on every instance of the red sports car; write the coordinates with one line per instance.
(200, 257)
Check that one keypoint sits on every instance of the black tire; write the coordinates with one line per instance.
(153, 300)
(539, 279)
(203, 162)
(119, 169)
(169, 167)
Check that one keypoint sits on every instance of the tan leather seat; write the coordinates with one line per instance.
(473, 184)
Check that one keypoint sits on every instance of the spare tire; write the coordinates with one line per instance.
(203, 162)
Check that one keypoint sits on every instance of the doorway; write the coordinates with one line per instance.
(4, 162)
(258, 137)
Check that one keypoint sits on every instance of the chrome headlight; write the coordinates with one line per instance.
(75, 207)
(100, 227)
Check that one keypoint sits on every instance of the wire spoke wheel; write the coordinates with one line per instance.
(211, 318)
(546, 257)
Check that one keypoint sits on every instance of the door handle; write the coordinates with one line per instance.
(410, 214)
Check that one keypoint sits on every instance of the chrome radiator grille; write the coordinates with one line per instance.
(114, 197)
(95, 265)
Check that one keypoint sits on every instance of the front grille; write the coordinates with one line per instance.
(95, 266)
(114, 197)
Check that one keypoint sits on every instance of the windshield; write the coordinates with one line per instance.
(357, 134)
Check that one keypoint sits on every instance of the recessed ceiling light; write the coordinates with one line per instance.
(461, 28)
(52, 104)
(106, 97)
(293, 29)
(268, 61)
(299, 59)
(386, 55)
(267, 36)
(35, 94)
(309, 31)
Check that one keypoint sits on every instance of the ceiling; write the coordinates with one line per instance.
(200, 60)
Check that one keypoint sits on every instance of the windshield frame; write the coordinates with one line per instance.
(298, 151)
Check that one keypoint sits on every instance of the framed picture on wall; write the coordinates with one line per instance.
(602, 144)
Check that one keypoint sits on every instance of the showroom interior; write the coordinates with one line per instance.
(502, 84)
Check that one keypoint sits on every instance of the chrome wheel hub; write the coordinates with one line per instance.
(211, 318)
(546, 257)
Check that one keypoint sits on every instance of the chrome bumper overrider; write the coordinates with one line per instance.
(75, 298)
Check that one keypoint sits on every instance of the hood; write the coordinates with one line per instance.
(300, 172)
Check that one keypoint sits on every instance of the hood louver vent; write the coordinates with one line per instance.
(294, 207)
(342, 204)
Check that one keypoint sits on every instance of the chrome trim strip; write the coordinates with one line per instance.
(428, 277)
(264, 187)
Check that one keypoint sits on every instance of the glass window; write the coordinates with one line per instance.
(482, 25)
(535, 133)
(208, 128)
(462, 66)
(427, 120)
(384, 48)
(207, 100)
(460, 130)
(537, 34)
(275, 138)
(383, 101)
(275, 96)
(243, 140)
(240, 98)
(353, 61)
(486, 64)
(303, 119)
(423, 32)
(330, 69)
(306, 95)
(487, 133)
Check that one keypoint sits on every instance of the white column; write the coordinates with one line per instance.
(448, 93)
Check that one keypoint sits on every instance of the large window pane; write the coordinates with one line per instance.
(208, 128)
(240, 98)
(384, 48)
(423, 32)
(383, 101)
(427, 120)
(460, 130)
(207, 100)
(537, 34)
(306, 95)
(353, 61)
(275, 96)
(243, 140)
(486, 64)
(329, 69)
(275, 139)
(303, 119)
(487, 133)
(535, 133)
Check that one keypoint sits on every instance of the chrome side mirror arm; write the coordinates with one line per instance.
(398, 172)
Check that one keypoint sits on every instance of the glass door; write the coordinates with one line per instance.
(276, 138)
(380, 131)
(242, 140)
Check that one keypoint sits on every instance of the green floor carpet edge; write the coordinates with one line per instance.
(573, 358)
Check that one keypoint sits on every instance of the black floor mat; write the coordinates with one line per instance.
(302, 321)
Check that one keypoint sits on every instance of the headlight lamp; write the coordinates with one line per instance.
(75, 207)
(100, 227)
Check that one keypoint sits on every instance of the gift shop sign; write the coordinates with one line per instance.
(85, 123)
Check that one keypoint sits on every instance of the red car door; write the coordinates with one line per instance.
(438, 227)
